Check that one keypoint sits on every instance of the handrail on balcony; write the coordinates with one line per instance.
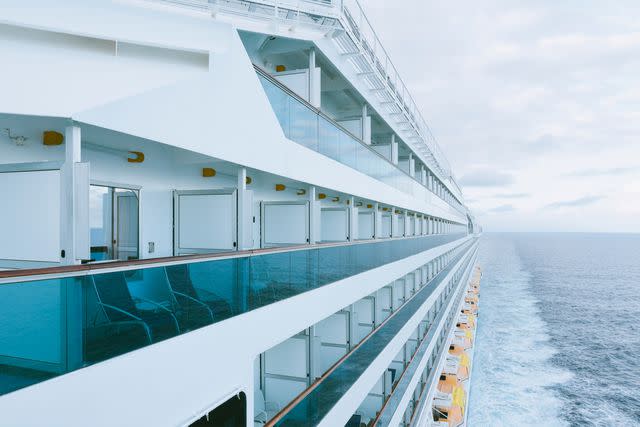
(266, 75)
(7, 276)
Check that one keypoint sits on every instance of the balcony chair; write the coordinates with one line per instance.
(119, 305)
(191, 298)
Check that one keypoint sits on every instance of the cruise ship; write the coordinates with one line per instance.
(224, 213)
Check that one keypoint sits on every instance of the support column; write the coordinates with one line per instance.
(406, 223)
(377, 221)
(366, 125)
(394, 222)
(412, 165)
(242, 210)
(314, 218)
(423, 175)
(394, 150)
(353, 219)
(67, 194)
(314, 80)
(74, 214)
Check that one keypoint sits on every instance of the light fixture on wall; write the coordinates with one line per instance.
(280, 187)
(208, 172)
(248, 180)
(336, 199)
(301, 192)
(322, 196)
(52, 138)
(138, 157)
(369, 206)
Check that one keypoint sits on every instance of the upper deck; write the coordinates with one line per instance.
(340, 29)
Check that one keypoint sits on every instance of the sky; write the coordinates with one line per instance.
(535, 103)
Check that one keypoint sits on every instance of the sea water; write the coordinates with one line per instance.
(558, 339)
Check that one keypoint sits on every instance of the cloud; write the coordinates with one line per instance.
(502, 209)
(605, 171)
(511, 195)
(486, 178)
(582, 201)
(541, 144)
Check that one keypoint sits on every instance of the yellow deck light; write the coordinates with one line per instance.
(51, 137)
(280, 187)
(138, 157)
(208, 172)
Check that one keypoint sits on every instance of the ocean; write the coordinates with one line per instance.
(558, 340)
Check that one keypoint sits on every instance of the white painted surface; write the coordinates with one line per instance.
(335, 224)
(206, 221)
(296, 80)
(366, 225)
(30, 216)
(285, 223)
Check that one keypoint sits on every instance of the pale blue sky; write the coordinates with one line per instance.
(536, 103)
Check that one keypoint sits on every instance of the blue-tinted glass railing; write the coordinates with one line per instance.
(306, 126)
(50, 327)
(313, 407)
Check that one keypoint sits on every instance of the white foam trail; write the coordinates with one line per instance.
(512, 372)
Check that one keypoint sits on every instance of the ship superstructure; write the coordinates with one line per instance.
(220, 213)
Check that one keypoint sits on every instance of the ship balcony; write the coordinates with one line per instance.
(149, 318)
(363, 375)
(311, 128)
(54, 322)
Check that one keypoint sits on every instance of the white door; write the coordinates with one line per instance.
(125, 242)
(205, 221)
(334, 224)
(366, 225)
(284, 223)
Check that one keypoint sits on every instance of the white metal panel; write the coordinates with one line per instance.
(352, 125)
(206, 221)
(285, 223)
(248, 219)
(366, 225)
(334, 224)
(385, 221)
(296, 80)
(82, 235)
(400, 222)
(30, 216)
(288, 358)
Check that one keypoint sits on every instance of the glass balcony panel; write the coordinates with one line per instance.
(329, 143)
(279, 100)
(50, 327)
(348, 150)
(303, 124)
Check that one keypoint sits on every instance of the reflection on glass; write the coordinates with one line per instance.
(304, 125)
(51, 327)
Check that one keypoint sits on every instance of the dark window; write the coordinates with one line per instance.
(232, 413)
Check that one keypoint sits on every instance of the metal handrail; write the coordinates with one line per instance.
(21, 275)
(386, 59)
